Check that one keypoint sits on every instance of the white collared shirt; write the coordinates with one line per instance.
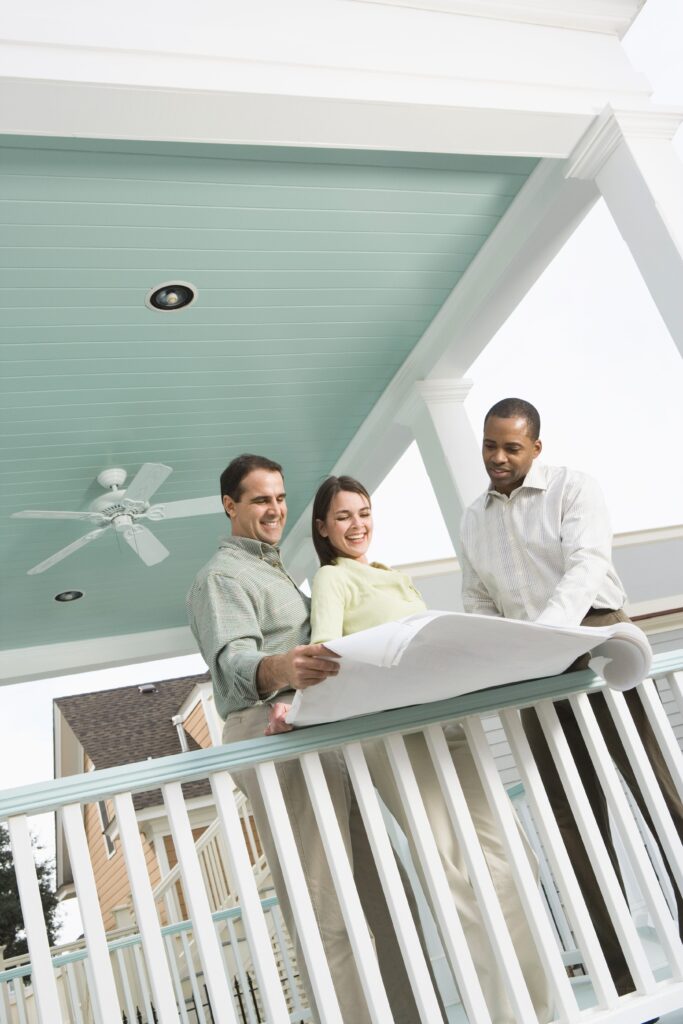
(543, 554)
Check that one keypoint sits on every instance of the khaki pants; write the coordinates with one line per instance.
(251, 723)
(565, 820)
(455, 868)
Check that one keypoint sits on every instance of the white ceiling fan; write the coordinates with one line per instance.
(122, 510)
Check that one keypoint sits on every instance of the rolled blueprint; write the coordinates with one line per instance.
(436, 655)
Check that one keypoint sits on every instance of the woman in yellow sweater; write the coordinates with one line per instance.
(350, 594)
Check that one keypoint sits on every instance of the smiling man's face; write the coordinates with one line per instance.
(260, 513)
(508, 451)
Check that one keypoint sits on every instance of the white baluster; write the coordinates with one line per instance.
(145, 911)
(553, 904)
(125, 984)
(170, 943)
(278, 928)
(661, 726)
(479, 875)
(44, 983)
(595, 847)
(74, 994)
(241, 871)
(675, 681)
(143, 981)
(643, 870)
(238, 957)
(249, 830)
(442, 902)
(4, 1002)
(198, 905)
(529, 894)
(404, 926)
(218, 876)
(194, 980)
(573, 902)
(347, 894)
(104, 987)
(647, 782)
(20, 1001)
(302, 908)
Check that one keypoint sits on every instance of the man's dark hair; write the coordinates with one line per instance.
(508, 408)
(233, 475)
(321, 506)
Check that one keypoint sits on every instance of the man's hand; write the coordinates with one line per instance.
(298, 669)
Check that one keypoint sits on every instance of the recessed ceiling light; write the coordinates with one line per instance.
(69, 595)
(171, 296)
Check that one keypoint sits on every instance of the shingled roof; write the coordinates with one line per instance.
(129, 724)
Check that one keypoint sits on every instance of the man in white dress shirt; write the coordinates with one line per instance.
(537, 546)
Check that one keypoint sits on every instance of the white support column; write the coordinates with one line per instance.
(448, 446)
(632, 161)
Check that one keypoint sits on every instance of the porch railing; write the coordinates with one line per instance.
(213, 863)
(653, 996)
(73, 974)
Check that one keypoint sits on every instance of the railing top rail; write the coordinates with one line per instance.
(144, 775)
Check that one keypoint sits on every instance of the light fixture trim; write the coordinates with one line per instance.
(186, 298)
(68, 596)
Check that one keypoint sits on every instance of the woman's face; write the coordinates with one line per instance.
(348, 525)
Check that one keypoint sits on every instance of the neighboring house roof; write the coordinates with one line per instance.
(129, 724)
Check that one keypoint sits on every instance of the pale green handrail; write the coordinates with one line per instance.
(92, 786)
(62, 959)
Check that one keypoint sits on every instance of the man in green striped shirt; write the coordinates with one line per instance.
(251, 623)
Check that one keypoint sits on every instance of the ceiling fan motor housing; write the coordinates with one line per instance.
(112, 478)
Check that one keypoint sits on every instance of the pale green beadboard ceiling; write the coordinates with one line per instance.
(317, 272)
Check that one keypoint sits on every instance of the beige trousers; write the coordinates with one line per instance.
(251, 723)
(455, 868)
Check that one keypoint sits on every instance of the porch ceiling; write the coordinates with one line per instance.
(317, 273)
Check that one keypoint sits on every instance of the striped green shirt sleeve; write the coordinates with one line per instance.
(243, 606)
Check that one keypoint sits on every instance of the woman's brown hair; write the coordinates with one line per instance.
(321, 506)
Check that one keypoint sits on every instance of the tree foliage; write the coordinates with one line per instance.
(11, 920)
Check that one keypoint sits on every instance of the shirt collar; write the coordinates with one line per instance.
(258, 548)
(535, 480)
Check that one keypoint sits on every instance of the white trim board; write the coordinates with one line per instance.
(613, 17)
(48, 661)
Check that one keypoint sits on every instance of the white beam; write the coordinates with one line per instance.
(320, 73)
(48, 661)
(545, 213)
(633, 163)
(400, 122)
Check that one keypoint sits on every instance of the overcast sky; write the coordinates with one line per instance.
(586, 345)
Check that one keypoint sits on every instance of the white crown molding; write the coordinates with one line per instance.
(612, 17)
(612, 127)
(444, 392)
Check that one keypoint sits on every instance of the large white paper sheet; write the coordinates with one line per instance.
(436, 655)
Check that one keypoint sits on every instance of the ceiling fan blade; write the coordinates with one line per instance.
(29, 513)
(147, 480)
(68, 550)
(187, 507)
(145, 544)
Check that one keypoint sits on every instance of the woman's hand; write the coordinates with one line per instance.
(276, 719)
